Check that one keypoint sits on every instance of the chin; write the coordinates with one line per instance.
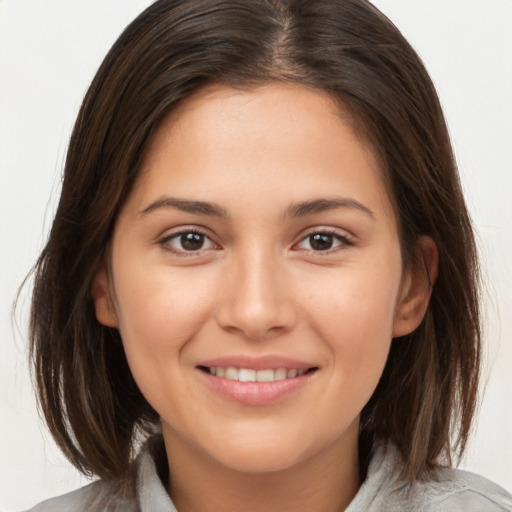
(258, 461)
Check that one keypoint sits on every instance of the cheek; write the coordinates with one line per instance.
(353, 314)
(159, 311)
(357, 302)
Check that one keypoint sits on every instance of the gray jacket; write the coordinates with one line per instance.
(382, 491)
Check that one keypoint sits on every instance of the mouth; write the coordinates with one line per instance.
(257, 380)
(253, 375)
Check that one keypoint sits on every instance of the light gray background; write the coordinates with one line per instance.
(49, 51)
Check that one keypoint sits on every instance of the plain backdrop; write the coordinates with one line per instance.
(49, 52)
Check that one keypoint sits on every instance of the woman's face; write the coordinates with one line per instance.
(259, 244)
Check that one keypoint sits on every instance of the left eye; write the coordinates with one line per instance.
(189, 241)
(322, 242)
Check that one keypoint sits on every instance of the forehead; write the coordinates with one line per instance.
(238, 112)
(228, 141)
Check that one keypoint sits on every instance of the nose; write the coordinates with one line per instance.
(256, 301)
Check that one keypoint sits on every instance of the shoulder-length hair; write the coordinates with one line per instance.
(426, 398)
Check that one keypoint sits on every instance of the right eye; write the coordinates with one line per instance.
(187, 242)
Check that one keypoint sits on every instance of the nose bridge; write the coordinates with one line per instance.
(256, 299)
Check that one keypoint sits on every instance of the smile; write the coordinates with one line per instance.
(251, 375)
(256, 380)
(256, 387)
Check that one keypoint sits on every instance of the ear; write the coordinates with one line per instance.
(416, 288)
(101, 294)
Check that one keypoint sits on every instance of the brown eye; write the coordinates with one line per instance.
(188, 241)
(192, 241)
(323, 242)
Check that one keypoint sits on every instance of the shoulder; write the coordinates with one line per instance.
(142, 488)
(104, 496)
(448, 490)
(461, 490)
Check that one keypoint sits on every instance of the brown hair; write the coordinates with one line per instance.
(426, 398)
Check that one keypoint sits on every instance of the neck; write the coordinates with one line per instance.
(198, 483)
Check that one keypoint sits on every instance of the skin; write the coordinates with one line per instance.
(257, 286)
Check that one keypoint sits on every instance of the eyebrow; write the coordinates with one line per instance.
(185, 205)
(301, 209)
(325, 204)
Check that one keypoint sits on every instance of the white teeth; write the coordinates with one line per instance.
(250, 375)
(280, 374)
(231, 373)
(265, 375)
(245, 375)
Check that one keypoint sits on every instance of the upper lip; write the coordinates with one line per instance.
(257, 362)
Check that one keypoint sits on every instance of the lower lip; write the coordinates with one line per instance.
(256, 393)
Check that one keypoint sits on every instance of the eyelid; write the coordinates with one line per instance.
(164, 240)
(345, 239)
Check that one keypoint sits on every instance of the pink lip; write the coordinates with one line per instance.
(256, 393)
(257, 363)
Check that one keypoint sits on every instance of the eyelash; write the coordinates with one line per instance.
(344, 242)
(165, 242)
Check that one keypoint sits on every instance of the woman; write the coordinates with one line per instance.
(262, 251)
